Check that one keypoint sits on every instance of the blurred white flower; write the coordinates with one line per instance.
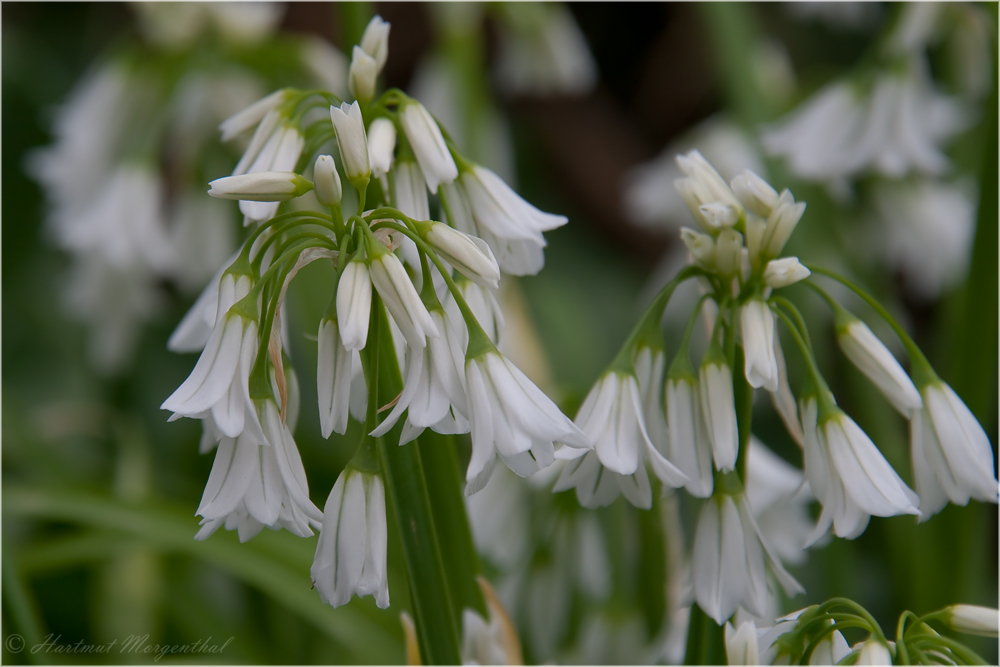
(894, 127)
(336, 367)
(543, 52)
(930, 226)
(779, 498)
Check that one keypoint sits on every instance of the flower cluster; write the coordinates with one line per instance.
(693, 426)
(411, 295)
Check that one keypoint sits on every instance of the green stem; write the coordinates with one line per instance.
(24, 613)
(444, 486)
(407, 491)
(706, 641)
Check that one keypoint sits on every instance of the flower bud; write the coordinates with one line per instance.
(784, 272)
(781, 223)
(973, 619)
(261, 186)
(375, 41)
(353, 143)
(728, 252)
(702, 246)
(327, 183)
(719, 215)
(469, 254)
(428, 145)
(381, 144)
(755, 193)
(362, 75)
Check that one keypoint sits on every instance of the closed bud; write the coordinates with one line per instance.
(728, 252)
(755, 193)
(362, 75)
(428, 145)
(781, 223)
(381, 145)
(719, 215)
(702, 246)
(327, 183)
(784, 272)
(469, 254)
(352, 142)
(261, 186)
(973, 619)
(375, 41)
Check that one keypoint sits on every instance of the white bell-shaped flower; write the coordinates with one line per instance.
(352, 142)
(757, 327)
(351, 550)
(354, 304)
(336, 367)
(512, 418)
(400, 297)
(952, 455)
(219, 381)
(874, 359)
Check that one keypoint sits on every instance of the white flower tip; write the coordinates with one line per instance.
(784, 272)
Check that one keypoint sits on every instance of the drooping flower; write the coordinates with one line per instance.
(433, 394)
(257, 481)
(757, 326)
(952, 456)
(354, 299)
(973, 619)
(874, 359)
(219, 381)
(336, 367)
(428, 145)
(512, 418)
(400, 297)
(381, 146)
(351, 550)
(848, 474)
(729, 557)
(327, 181)
(718, 407)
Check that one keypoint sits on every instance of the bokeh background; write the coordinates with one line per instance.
(99, 491)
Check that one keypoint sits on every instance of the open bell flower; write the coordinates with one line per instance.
(741, 645)
(516, 255)
(952, 455)
(428, 145)
(690, 447)
(729, 560)
(848, 474)
(512, 418)
(219, 382)
(257, 480)
(597, 486)
(433, 394)
(351, 550)
(266, 186)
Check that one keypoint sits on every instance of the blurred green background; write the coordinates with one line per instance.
(99, 491)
